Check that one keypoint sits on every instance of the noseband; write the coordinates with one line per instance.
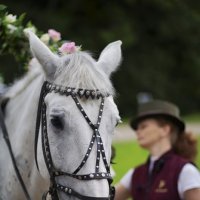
(53, 172)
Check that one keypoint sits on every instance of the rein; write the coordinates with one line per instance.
(7, 140)
(96, 137)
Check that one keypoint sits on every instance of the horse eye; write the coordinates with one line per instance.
(57, 122)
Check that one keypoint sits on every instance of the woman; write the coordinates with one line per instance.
(168, 174)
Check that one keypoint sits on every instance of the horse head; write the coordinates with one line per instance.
(77, 116)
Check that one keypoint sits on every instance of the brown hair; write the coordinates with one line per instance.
(183, 143)
(186, 146)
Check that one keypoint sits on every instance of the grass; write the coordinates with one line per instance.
(129, 155)
(192, 118)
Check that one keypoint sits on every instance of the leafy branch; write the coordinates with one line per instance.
(13, 40)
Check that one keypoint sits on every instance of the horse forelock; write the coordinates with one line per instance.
(80, 70)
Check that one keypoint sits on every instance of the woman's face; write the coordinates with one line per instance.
(149, 133)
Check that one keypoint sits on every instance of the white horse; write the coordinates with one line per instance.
(69, 132)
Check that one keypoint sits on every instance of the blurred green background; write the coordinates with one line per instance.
(161, 44)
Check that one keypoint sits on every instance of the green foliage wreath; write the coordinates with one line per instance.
(13, 40)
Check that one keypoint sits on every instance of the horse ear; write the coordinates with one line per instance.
(110, 57)
(43, 54)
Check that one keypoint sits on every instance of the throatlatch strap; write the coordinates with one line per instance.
(7, 140)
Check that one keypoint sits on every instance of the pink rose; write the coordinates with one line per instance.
(54, 35)
(68, 47)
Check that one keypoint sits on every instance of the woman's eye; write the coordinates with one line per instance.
(57, 122)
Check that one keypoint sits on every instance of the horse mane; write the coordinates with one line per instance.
(80, 70)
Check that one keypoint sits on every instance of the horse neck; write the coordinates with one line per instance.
(20, 116)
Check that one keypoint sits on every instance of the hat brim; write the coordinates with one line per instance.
(180, 124)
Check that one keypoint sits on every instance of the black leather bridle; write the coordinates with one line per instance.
(96, 137)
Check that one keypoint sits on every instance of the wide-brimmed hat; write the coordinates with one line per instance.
(158, 108)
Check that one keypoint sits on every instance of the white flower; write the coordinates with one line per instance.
(11, 28)
(31, 29)
(10, 18)
(45, 38)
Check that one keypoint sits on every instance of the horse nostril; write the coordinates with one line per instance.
(56, 121)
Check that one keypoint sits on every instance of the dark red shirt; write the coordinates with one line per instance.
(161, 183)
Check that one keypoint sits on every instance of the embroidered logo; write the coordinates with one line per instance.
(161, 187)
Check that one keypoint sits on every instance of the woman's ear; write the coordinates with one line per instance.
(166, 130)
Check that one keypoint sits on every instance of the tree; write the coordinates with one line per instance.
(161, 44)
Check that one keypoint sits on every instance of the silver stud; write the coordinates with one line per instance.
(91, 175)
(82, 92)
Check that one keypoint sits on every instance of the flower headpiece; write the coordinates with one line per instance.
(69, 47)
(53, 40)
